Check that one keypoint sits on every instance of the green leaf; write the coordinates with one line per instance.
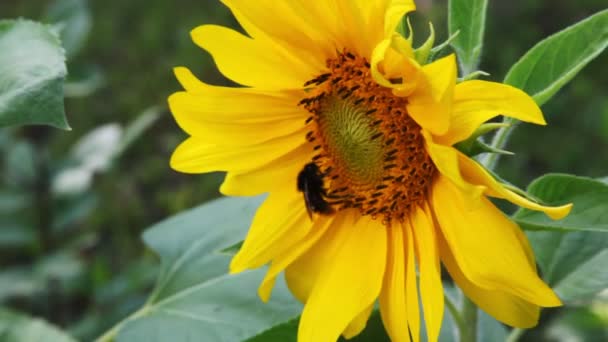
(469, 18)
(32, 71)
(573, 252)
(553, 62)
(16, 327)
(589, 196)
(574, 263)
(74, 20)
(286, 332)
(194, 297)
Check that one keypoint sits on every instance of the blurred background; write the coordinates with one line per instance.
(73, 204)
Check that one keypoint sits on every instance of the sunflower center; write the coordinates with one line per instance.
(370, 152)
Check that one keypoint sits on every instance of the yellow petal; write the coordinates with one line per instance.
(285, 23)
(503, 306)
(476, 174)
(252, 62)
(431, 103)
(261, 178)
(289, 255)
(476, 102)
(411, 288)
(348, 282)
(395, 12)
(279, 223)
(187, 79)
(199, 156)
(393, 65)
(202, 116)
(393, 302)
(302, 275)
(358, 324)
(431, 287)
(487, 247)
(445, 159)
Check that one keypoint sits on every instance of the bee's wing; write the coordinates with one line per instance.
(307, 200)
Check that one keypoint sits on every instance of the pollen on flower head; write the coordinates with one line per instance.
(370, 152)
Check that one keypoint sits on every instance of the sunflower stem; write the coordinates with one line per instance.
(453, 309)
(515, 335)
(468, 331)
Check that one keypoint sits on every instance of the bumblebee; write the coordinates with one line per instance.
(310, 183)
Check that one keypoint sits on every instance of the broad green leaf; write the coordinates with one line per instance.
(32, 71)
(573, 263)
(16, 327)
(194, 297)
(586, 323)
(572, 253)
(468, 17)
(74, 20)
(589, 196)
(553, 62)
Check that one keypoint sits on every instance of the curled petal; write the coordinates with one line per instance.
(487, 246)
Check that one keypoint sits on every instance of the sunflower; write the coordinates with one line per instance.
(351, 133)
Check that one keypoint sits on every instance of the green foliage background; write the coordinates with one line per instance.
(90, 269)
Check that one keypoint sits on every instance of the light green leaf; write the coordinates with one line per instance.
(194, 297)
(32, 71)
(574, 263)
(16, 327)
(589, 196)
(468, 17)
(553, 62)
(74, 20)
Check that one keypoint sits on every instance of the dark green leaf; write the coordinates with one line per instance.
(589, 196)
(74, 20)
(194, 297)
(32, 71)
(16, 327)
(286, 332)
(468, 17)
(553, 62)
